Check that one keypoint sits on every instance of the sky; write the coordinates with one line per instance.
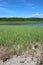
(21, 8)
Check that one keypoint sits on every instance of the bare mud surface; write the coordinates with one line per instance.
(31, 57)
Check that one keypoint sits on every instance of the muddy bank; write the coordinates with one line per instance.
(12, 56)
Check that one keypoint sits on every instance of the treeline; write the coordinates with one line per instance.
(21, 19)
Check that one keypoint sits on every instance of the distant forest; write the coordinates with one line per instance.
(21, 19)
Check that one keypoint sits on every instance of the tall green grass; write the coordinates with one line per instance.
(22, 37)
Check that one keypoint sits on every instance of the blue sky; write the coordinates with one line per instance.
(21, 8)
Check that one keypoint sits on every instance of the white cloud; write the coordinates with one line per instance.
(36, 14)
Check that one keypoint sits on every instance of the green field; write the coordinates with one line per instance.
(19, 22)
(22, 37)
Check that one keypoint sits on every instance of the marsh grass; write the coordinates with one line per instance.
(22, 37)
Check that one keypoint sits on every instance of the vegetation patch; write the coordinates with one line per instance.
(22, 37)
(12, 21)
(17, 40)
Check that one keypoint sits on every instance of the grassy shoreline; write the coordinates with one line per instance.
(14, 20)
(19, 22)
(20, 36)
(18, 40)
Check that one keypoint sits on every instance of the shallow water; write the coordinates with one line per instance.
(40, 24)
